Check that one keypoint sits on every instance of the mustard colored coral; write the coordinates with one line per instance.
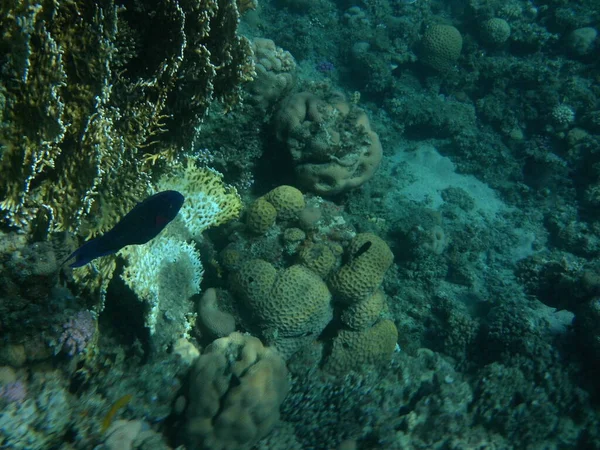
(77, 120)
(352, 349)
(318, 257)
(368, 258)
(364, 313)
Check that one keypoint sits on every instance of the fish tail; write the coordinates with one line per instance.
(84, 254)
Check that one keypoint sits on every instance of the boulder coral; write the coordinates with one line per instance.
(289, 307)
(236, 388)
(440, 47)
(352, 349)
(331, 143)
(282, 203)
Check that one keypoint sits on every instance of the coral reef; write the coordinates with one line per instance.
(443, 295)
(97, 107)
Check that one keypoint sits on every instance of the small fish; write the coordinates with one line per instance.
(138, 226)
(112, 412)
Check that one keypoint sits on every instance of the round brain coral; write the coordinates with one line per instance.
(440, 47)
(495, 31)
(287, 200)
(352, 349)
(369, 257)
(290, 307)
(254, 280)
(235, 391)
(260, 216)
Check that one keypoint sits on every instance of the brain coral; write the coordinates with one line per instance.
(331, 143)
(290, 307)
(352, 349)
(369, 257)
(440, 47)
(318, 257)
(287, 200)
(364, 313)
(260, 216)
(495, 31)
(236, 388)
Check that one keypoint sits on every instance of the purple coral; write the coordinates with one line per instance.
(77, 333)
(15, 391)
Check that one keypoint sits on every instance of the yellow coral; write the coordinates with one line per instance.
(353, 349)
(260, 216)
(208, 201)
(440, 47)
(254, 280)
(369, 257)
(287, 200)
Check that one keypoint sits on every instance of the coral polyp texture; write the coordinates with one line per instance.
(330, 141)
(289, 307)
(368, 258)
(83, 102)
(283, 203)
(236, 388)
(441, 46)
(353, 349)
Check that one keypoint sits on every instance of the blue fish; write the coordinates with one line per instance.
(138, 226)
